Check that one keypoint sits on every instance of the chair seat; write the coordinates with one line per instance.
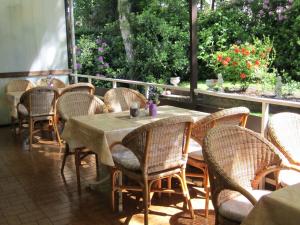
(288, 177)
(239, 207)
(195, 150)
(124, 157)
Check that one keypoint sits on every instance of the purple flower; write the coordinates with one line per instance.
(78, 66)
(100, 59)
(106, 65)
(100, 49)
(266, 2)
(271, 13)
(265, 6)
(280, 17)
(104, 44)
(261, 12)
(290, 1)
(99, 75)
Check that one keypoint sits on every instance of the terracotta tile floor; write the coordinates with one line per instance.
(33, 192)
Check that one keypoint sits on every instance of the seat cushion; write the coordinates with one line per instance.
(195, 150)
(288, 177)
(125, 158)
(238, 208)
(22, 110)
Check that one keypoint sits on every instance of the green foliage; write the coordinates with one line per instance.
(245, 62)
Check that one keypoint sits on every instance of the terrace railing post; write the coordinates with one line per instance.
(114, 83)
(193, 49)
(264, 118)
(146, 91)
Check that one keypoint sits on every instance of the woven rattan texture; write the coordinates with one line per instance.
(39, 101)
(284, 132)
(120, 99)
(18, 85)
(56, 83)
(78, 104)
(79, 87)
(235, 156)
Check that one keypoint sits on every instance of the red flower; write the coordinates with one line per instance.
(243, 75)
(224, 62)
(246, 53)
(236, 50)
(234, 63)
(219, 58)
(249, 65)
(227, 59)
(257, 62)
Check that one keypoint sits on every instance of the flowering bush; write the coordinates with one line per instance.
(245, 62)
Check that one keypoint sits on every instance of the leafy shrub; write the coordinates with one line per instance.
(244, 62)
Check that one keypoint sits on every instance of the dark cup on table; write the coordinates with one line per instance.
(134, 112)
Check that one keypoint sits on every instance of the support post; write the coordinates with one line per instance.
(193, 48)
(265, 117)
(73, 44)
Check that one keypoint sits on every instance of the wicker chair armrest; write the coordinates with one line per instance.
(107, 108)
(255, 182)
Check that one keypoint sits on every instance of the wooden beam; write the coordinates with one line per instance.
(35, 73)
(193, 48)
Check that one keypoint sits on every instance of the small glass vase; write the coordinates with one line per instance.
(152, 109)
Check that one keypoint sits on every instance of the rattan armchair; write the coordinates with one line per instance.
(55, 83)
(79, 87)
(237, 160)
(153, 151)
(120, 99)
(232, 116)
(38, 104)
(284, 132)
(78, 104)
(17, 86)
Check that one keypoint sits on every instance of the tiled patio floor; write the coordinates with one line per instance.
(33, 192)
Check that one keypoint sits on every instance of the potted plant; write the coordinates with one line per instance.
(153, 100)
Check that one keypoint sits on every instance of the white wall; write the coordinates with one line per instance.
(32, 35)
(32, 38)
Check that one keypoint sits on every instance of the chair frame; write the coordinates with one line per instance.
(57, 83)
(109, 95)
(79, 87)
(51, 117)
(146, 179)
(200, 129)
(79, 153)
(221, 181)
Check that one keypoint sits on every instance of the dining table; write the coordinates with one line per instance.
(281, 207)
(97, 132)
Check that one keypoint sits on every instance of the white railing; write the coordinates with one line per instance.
(264, 101)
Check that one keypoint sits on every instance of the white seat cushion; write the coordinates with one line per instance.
(288, 177)
(238, 208)
(126, 158)
(195, 150)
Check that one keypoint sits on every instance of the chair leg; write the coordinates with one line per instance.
(31, 127)
(66, 153)
(146, 200)
(113, 188)
(97, 164)
(169, 180)
(77, 166)
(54, 123)
(186, 193)
(206, 189)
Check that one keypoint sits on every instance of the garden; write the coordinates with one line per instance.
(250, 46)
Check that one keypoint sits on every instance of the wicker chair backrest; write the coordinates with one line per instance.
(161, 145)
(78, 104)
(232, 116)
(40, 101)
(120, 99)
(18, 85)
(79, 87)
(55, 83)
(284, 132)
(234, 156)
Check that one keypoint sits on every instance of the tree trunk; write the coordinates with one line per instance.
(124, 10)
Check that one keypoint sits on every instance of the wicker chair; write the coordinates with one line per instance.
(55, 83)
(232, 116)
(237, 159)
(17, 86)
(284, 132)
(78, 104)
(38, 104)
(79, 87)
(153, 151)
(120, 99)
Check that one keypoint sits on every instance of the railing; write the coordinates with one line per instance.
(264, 101)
